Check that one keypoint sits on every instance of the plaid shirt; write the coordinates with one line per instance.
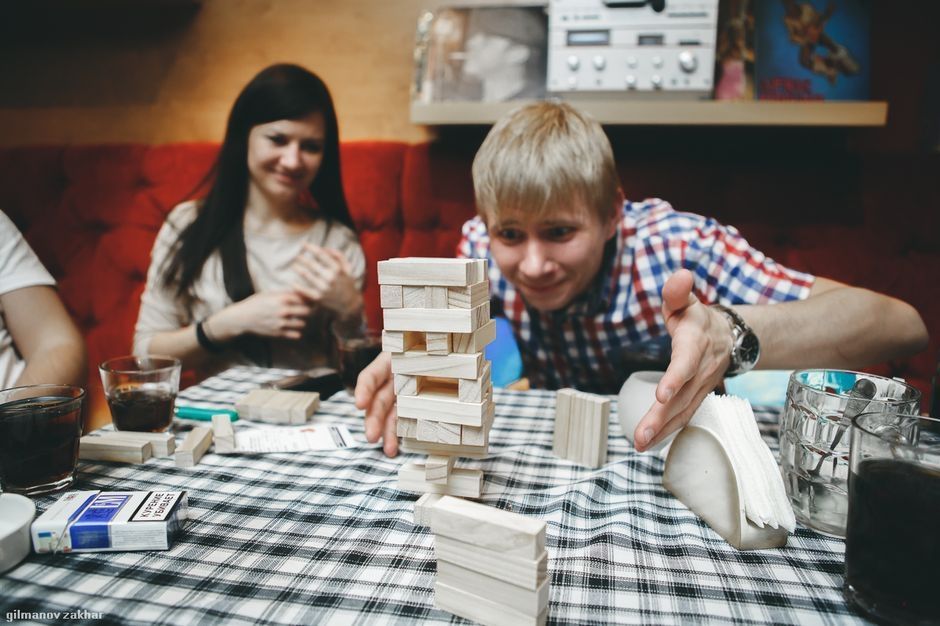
(592, 343)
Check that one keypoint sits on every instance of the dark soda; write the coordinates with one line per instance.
(892, 546)
(140, 409)
(38, 441)
(355, 355)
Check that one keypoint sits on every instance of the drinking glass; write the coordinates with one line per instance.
(814, 442)
(892, 545)
(40, 426)
(141, 391)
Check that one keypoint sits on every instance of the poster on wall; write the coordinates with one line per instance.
(812, 49)
(481, 54)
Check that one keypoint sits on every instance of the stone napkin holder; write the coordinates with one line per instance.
(700, 473)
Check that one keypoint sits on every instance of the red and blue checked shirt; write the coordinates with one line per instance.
(592, 344)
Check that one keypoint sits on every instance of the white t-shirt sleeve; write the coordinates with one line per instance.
(19, 265)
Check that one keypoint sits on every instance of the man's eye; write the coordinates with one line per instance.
(560, 233)
(509, 235)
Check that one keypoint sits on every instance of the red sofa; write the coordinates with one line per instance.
(92, 212)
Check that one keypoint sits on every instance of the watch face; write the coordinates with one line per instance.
(748, 351)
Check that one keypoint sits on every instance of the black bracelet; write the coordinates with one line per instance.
(207, 344)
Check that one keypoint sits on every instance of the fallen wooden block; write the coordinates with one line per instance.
(581, 427)
(304, 406)
(442, 272)
(249, 405)
(161, 444)
(437, 320)
(195, 444)
(527, 573)
(482, 610)
(529, 601)
(437, 468)
(488, 527)
(423, 508)
(223, 435)
(93, 448)
(562, 422)
(464, 483)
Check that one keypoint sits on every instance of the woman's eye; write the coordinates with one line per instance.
(313, 147)
(277, 140)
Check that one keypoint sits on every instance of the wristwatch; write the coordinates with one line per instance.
(745, 350)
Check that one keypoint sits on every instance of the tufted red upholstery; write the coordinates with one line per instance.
(92, 212)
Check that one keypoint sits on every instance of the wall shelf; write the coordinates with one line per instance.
(674, 113)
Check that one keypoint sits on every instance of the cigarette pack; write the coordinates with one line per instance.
(93, 521)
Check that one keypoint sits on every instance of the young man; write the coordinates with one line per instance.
(584, 277)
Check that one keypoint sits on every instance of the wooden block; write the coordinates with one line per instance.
(468, 297)
(399, 341)
(407, 427)
(277, 408)
(575, 428)
(447, 366)
(437, 320)
(421, 447)
(408, 385)
(116, 449)
(481, 609)
(515, 570)
(448, 433)
(479, 436)
(603, 427)
(441, 409)
(435, 297)
(195, 444)
(390, 296)
(161, 444)
(223, 435)
(465, 483)
(303, 407)
(437, 468)
(437, 343)
(598, 409)
(249, 405)
(426, 431)
(413, 297)
(431, 271)
(488, 527)
(562, 421)
(529, 601)
(469, 343)
(423, 508)
(474, 390)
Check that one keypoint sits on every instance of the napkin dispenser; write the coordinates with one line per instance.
(700, 475)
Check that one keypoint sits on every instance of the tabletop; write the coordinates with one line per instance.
(327, 538)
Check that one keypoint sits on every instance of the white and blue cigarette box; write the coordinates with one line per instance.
(92, 521)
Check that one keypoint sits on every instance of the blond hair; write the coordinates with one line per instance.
(540, 158)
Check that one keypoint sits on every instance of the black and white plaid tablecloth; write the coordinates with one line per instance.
(327, 538)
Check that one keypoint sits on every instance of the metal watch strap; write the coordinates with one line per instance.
(745, 350)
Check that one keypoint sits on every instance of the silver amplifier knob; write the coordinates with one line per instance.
(574, 62)
(599, 62)
(688, 61)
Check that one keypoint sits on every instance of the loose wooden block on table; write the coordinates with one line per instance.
(249, 405)
(450, 365)
(529, 601)
(423, 507)
(464, 483)
(488, 527)
(421, 447)
(562, 422)
(439, 272)
(594, 452)
(437, 320)
(92, 448)
(400, 340)
(468, 297)
(470, 343)
(195, 444)
(527, 573)
(437, 468)
(390, 296)
(303, 406)
(161, 444)
(482, 610)
(223, 435)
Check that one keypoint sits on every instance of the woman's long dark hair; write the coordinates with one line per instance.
(278, 92)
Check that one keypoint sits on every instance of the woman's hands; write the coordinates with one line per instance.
(325, 277)
(280, 314)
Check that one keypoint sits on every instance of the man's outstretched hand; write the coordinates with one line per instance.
(701, 351)
(375, 393)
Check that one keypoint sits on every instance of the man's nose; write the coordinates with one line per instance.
(535, 261)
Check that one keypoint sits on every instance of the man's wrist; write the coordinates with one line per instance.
(745, 346)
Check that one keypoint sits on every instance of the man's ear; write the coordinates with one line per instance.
(616, 214)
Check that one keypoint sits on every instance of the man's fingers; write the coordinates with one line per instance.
(677, 293)
(683, 366)
(391, 432)
(661, 413)
(371, 379)
(680, 420)
(382, 403)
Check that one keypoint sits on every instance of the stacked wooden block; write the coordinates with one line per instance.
(581, 427)
(437, 324)
(492, 566)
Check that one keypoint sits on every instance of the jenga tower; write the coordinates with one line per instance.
(437, 323)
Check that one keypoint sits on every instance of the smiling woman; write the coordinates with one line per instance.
(258, 270)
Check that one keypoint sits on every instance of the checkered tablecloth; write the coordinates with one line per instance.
(327, 538)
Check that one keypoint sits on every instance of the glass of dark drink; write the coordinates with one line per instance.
(357, 347)
(40, 426)
(892, 545)
(141, 391)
